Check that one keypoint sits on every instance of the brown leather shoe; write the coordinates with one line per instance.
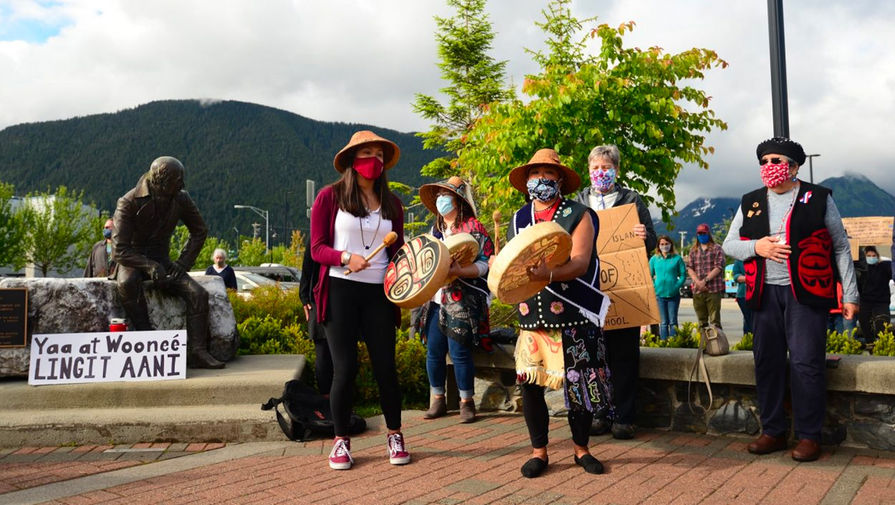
(467, 411)
(437, 407)
(806, 450)
(766, 444)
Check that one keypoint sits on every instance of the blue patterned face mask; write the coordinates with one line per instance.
(542, 189)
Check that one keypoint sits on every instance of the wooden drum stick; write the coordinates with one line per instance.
(496, 217)
(387, 241)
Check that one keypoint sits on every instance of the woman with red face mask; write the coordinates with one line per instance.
(349, 219)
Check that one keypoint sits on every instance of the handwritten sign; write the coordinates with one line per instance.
(70, 358)
(624, 270)
(869, 230)
(13, 317)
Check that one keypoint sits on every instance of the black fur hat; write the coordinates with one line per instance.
(781, 145)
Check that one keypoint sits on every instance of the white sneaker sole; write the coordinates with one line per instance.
(399, 461)
(340, 466)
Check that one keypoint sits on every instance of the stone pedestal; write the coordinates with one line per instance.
(85, 305)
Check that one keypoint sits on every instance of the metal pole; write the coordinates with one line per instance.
(778, 68)
(811, 166)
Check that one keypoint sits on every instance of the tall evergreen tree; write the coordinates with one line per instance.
(475, 78)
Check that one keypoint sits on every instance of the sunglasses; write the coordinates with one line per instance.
(775, 160)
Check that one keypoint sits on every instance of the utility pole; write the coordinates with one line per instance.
(778, 69)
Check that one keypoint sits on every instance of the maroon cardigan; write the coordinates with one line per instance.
(323, 226)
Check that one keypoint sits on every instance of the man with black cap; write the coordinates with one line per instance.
(143, 224)
(796, 225)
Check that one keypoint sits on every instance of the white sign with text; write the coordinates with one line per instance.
(71, 358)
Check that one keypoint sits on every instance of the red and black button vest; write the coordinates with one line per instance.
(811, 265)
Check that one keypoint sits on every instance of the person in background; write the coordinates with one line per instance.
(99, 264)
(790, 238)
(706, 270)
(572, 319)
(739, 277)
(622, 345)
(222, 269)
(323, 362)
(349, 219)
(873, 289)
(457, 315)
(669, 274)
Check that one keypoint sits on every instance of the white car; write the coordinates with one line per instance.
(247, 281)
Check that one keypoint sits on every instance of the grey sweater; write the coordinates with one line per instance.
(778, 273)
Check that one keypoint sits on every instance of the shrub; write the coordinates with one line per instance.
(269, 301)
(268, 335)
(684, 338)
(842, 343)
(885, 343)
(745, 343)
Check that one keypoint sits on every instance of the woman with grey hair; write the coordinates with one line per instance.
(222, 269)
(622, 345)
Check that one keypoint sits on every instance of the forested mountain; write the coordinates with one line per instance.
(234, 153)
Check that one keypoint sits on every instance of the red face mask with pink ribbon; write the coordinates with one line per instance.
(773, 175)
(370, 168)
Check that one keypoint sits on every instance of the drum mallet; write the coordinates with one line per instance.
(387, 241)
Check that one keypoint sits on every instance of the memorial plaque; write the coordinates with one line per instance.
(13, 317)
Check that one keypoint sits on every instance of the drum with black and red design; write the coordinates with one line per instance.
(417, 271)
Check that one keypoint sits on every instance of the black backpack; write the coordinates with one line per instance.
(308, 414)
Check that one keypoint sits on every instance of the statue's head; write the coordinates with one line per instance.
(165, 176)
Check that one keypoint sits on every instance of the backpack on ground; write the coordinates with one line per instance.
(308, 414)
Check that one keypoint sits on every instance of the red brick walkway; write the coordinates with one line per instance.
(479, 464)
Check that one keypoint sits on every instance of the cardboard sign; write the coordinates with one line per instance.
(624, 270)
(70, 358)
(869, 230)
(13, 317)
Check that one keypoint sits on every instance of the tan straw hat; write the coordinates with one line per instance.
(570, 180)
(456, 185)
(345, 157)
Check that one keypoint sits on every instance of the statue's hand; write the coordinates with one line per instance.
(177, 270)
(157, 272)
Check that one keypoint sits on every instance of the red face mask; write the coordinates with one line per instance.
(370, 168)
(774, 175)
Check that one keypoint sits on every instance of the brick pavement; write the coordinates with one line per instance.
(477, 464)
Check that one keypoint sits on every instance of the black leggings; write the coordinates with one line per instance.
(537, 419)
(623, 355)
(360, 310)
(323, 362)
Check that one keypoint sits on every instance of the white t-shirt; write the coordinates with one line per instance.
(599, 201)
(360, 235)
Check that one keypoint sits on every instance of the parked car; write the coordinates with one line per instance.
(248, 281)
(274, 271)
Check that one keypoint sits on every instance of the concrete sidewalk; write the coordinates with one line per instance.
(452, 463)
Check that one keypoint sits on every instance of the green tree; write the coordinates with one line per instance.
(178, 241)
(11, 230)
(643, 101)
(475, 80)
(203, 261)
(59, 230)
(252, 253)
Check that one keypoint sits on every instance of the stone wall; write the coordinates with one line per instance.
(860, 398)
(86, 305)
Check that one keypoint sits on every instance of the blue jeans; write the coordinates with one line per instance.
(437, 349)
(668, 308)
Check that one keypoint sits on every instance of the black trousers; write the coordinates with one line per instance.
(623, 355)
(359, 310)
(783, 324)
(323, 359)
(873, 318)
(537, 419)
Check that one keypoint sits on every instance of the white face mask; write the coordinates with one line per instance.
(665, 248)
(872, 260)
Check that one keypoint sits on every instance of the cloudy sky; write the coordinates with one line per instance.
(363, 60)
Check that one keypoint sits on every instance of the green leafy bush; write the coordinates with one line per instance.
(268, 335)
(270, 301)
(687, 336)
(745, 343)
(842, 343)
(885, 343)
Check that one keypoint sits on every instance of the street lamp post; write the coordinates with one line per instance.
(263, 213)
(811, 167)
(683, 234)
